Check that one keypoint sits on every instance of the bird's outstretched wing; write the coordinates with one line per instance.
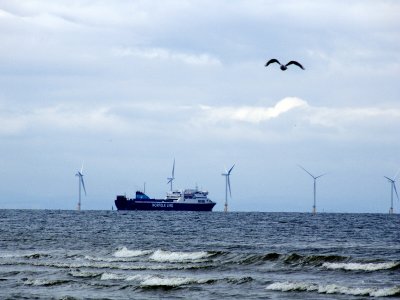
(293, 62)
(274, 60)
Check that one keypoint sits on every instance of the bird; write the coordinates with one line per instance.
(284, 67)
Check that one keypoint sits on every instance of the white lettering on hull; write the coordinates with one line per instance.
(169, 205)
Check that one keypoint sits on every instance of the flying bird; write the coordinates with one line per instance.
(284, 67)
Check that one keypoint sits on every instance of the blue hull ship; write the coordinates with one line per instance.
(187, 200)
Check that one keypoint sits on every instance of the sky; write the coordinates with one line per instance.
(126, 87)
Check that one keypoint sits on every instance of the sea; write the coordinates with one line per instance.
(59, 254)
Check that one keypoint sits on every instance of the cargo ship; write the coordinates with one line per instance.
(186, 200)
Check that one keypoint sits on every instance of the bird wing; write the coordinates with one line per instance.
(293, 62)
(273, 60)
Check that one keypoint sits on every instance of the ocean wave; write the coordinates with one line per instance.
(146, 281)
(167, 256)
(44, 282)
(31, 255)
(125, 252)
(368, 267)
(257, 258)
(241, 280)
(112, 276)
(313, 259)
(334, 289)
(156, 281)
(83, 274)
(110, 265)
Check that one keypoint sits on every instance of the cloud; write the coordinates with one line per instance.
(166, 54)
(253, 114)
(131, 118)
(358, 116)
(60, 118)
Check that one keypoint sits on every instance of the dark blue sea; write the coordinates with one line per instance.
(49, 254)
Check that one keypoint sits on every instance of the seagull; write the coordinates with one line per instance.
(284, 67)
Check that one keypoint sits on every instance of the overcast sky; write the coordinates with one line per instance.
(127, 86)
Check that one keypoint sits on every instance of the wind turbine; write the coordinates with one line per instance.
(393, 187)
(172, 178)
(314, 211)
(81, 183)
(227, 186)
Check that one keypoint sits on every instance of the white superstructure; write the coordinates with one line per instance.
(188, 196)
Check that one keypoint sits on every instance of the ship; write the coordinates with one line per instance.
(178, 200)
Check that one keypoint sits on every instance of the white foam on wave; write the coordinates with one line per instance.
(369, 267)
(43, 282)
(125, 252)
(169, 281)
(112, 276)
(167, 256)
(153, 280)
(333, 289)
(157, 281)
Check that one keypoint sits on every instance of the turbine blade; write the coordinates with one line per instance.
(83, 184)
(82, 167)
(229, 186)
(397, 173)
(321, 175)
(307, 171)
(391, 180)
(230, 170)
(394, 185)
(173, 169)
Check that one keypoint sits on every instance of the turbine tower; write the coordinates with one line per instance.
(392, 188)
(314, 211)
(172, 178)
(81, 183)
(227, 186)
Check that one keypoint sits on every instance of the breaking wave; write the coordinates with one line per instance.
(333, 289)
(125, 252)
(156, 281)
(112, 276)
(167, 256)
(146, 281)
(368, 267)
(44, 282)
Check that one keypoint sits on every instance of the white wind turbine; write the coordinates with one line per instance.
(227, 186)
(172, 178)
(392, 188)
(81, 184)
(314, 211)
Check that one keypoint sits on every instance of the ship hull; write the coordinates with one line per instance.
(154, 204)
